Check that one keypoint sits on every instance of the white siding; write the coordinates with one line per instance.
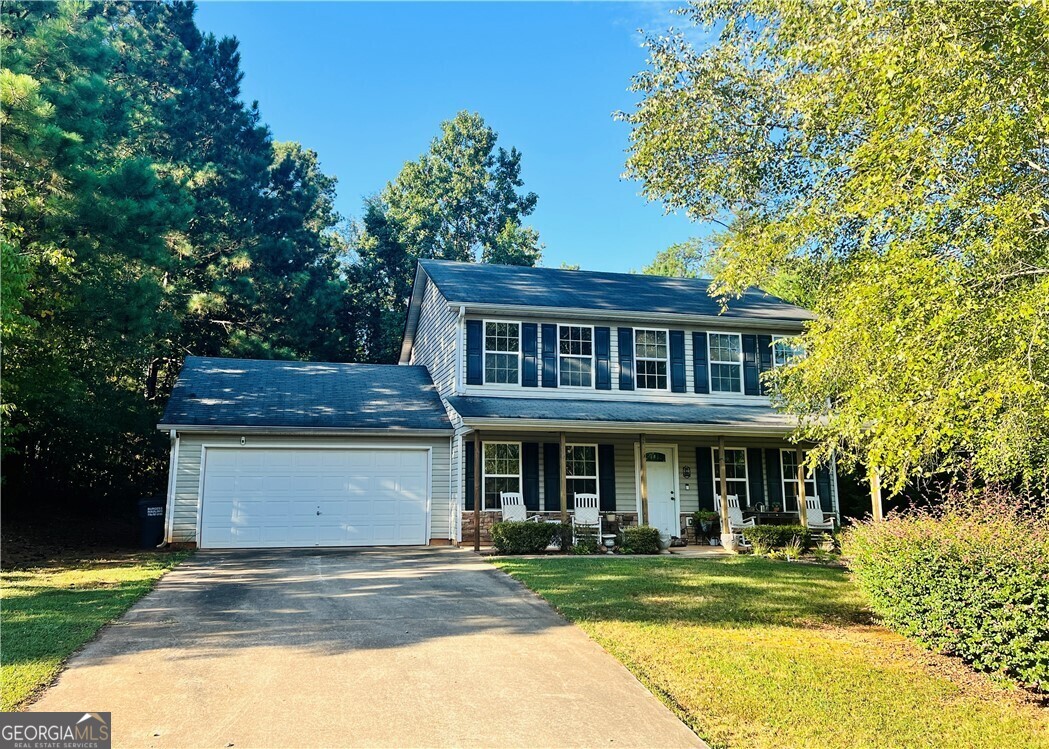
(187, 475)
(436, 340)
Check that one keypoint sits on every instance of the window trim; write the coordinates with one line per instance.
(485, 351)
(597, 468)
(717, 481)
(809, 479)
(637, 379)
(775, 338)
(593, 367)
(485, 475)
(711, 362)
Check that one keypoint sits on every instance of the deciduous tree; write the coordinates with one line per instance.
(897, 154)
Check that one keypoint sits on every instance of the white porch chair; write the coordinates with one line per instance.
(735, 516)
(814, 516)
(512, 506)
(587, 514)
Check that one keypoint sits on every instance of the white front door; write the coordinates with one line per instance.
(661, 472)
(277, 497)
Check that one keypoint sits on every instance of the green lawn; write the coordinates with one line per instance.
(46, 614)
(758, 653)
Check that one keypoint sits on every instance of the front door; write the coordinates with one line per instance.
(660, 472)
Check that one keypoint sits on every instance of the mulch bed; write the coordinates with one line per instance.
(61, 541)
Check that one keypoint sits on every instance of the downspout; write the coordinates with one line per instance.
(453, 498)
(460, 346)
(169, 508)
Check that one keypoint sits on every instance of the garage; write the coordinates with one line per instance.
(279, 454)
(288, 497)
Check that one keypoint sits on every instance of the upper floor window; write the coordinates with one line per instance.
(502, 352)
(735, 474)
(502, 471)
(783, 351)
(650, 353)
(726, 362)
(576, 355)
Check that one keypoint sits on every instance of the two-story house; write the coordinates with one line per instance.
(533, 380)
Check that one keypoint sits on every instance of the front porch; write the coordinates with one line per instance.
(656, 479)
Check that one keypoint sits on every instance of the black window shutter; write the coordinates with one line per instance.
(677, 361)
(551, 476)
(530, 475)
(705, 479)
(823, 488)
(751, 381)
(699, 362)
(468, 451)
(603, 355)
(549, 355)
(755, 484)
(529, 355)
(775, 476)
(474, 352)
(626, 358)
(764, 357)
(606, 477)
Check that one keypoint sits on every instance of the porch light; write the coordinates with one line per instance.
(686, 472)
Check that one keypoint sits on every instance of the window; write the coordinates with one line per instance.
(726, 362)
(789, 461)
(783, 351)
(735, 474)
(650, 353)
(576, 355)
(502, 471)
(502, 352)
(581, 469)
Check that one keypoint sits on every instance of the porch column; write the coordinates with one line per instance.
(876, 508)
(478, 488)
(803, 511)
(564, 482)
(726, 525)
(644, 484)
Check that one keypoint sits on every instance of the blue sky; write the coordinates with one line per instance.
(366, 85)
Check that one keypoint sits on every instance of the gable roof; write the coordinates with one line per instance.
(517, 286)
(213, 392)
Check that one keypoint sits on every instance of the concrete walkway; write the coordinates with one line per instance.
(397, 648)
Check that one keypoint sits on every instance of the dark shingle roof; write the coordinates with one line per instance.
(760, 417)
(298, 395)
(509, 285)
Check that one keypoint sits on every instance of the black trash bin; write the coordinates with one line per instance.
(151, 521)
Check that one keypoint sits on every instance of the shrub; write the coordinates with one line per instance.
(967, 580)
(586, 545)
(641, 539)
(522, 537)
(563, 535)
(773, 537)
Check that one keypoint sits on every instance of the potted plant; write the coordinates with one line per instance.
(704, 520)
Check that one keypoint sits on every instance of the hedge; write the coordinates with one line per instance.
(641, 539)
(523, 537)
(778, 536)
(970, 581)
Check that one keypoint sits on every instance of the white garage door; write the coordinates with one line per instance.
(303, 497)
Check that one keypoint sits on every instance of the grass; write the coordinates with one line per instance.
(48, 613)
(758, 653)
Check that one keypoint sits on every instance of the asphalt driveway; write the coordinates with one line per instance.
(333, 648)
